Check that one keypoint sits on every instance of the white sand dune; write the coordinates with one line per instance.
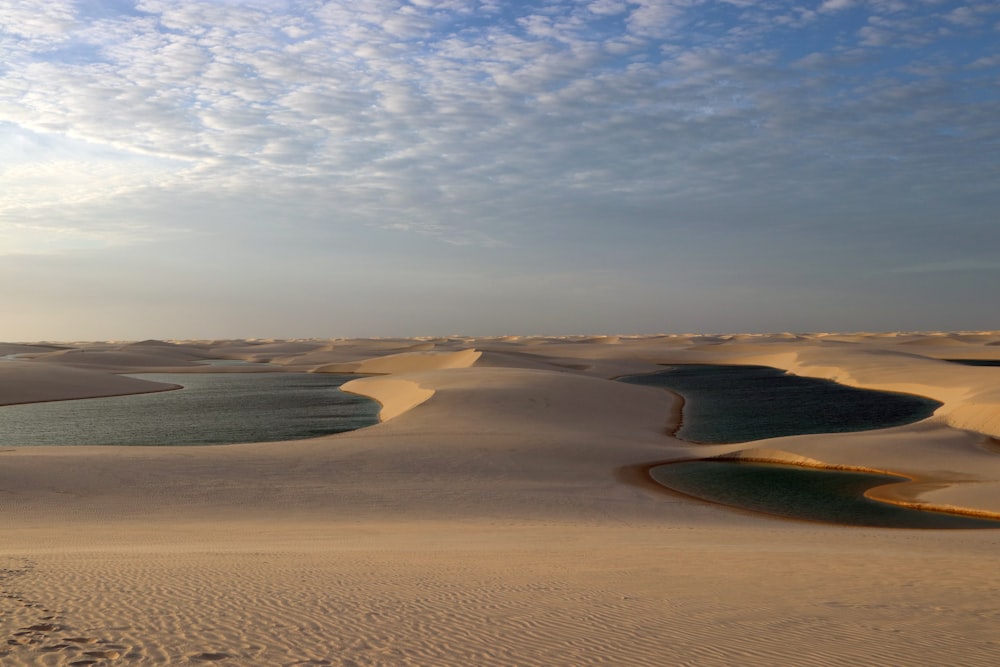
(27, 382)
(497, 516)
(9, 349)
(264, 351)
(395, 395)
(405, 362)
(127, 358)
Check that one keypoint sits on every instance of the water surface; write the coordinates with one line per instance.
(795, 492)
(213, 408)
(975, 362)
(729, 404)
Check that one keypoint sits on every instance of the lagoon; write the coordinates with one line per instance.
(212, 408)
(975, 362)
(795, 492)
(730, 404)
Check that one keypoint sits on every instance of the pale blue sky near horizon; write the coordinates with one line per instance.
(312, 168)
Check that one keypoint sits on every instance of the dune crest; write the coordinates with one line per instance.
(397, 395)
(766, 455)
(30, 382)
(405, 362)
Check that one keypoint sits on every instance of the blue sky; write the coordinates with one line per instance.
(224, 168)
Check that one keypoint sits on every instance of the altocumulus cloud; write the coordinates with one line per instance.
(792, 127)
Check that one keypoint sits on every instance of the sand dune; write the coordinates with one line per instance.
(27, 382)
(405, 362)
(9, 349)
(396, 396)
(496, 516)
(127, 358)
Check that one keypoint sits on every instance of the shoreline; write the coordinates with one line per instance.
(84, 398)
(882, 493)
(889, 493)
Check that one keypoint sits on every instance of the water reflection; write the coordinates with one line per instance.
(813, 494)
(727, 404)
(975, 362)
(213, 408)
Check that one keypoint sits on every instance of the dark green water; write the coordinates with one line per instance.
(728, 404)
(975, 362)
(213, 408)
(831, 496)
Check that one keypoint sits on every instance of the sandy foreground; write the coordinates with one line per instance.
(497, 516)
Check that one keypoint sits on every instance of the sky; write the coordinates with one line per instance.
(307, 168)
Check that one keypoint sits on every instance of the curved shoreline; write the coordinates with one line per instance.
(675, 416)
(770, 432)
(641, 475)
(213, 409)
(171, 387)
(675, 420)
(396, 395)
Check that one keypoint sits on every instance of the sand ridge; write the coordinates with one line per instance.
(26, 382)
(405, 362)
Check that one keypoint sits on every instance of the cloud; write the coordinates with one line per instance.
(656, 18)
(835, 5)
(964, 16)
(607, 7)
(672, 123)
(47, 22)
(873, 36)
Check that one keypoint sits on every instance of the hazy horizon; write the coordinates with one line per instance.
(207, 169)
(70, 342)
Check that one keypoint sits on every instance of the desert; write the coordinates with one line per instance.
(500, 513)
(356, 334)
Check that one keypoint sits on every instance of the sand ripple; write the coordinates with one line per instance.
(555, 605)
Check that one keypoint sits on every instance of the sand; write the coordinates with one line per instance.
(496, 516)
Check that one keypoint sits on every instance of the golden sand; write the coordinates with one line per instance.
(494, 517)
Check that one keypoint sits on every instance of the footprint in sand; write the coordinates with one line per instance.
(53, 648)
(43, 627)
(20, 641)
(211, 657)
